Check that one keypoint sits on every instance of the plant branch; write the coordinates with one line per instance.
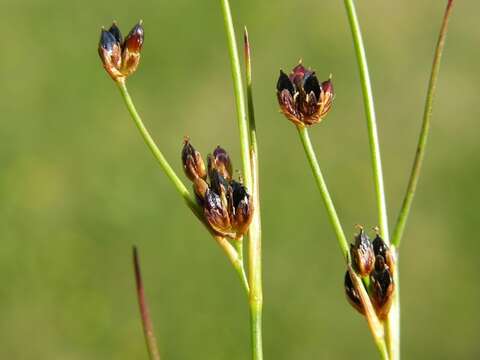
(168, 170)
(144, 312)
(371, 118)
(255, 229)
(422, 141)
(229, 250)
(322, 187)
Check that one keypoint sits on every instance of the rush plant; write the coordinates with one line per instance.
(372, 278)
(229, 208)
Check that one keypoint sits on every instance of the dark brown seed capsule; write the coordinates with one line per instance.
(362, 254)
(192, 161)
(132, 47)
(241, 207)
(352, 295)
(220, 160)
(110, 52)
(302, 99)
(382, 249)
(115, 31)
(382, 288)
(216, 214)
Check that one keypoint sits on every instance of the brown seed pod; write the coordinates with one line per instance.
(362, 254)
(382, 288)
(352, 295)
(192, 161)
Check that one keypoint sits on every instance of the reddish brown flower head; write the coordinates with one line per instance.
(302, 98)
(227, 206)
(120, 58)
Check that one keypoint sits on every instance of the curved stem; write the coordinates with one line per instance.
(422, 141)
(322, 187)
(238, 90)
(189, 199)
(255, 229)
(371, 118)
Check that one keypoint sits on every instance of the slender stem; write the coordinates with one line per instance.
(144, 312)
(189, 199)
(371, 119)
(392, 324)
(322, 187)
(238, 90)
(255, 230)
(235, 255)
(422, 141)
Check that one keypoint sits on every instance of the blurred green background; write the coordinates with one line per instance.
(78, 186)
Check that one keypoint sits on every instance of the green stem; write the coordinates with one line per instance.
(322, 187)
(238, 91)
(393, 322)
(147, 323)
(371, 119)
(189, 199)
(422, 141)
(238, 244)
(255, 229)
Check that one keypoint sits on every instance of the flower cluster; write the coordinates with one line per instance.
(303, 100)
(226, 204)
(120, 57)
(374, 260)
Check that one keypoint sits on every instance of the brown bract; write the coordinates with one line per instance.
(302, 98)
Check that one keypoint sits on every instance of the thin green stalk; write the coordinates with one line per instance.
(238, 91)
(255, 230)
(371, 118)
(237, 261)
(147, 323)
(422, 141)
(393, 322)
(189, 199)
(229, 250)
(322, 187)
